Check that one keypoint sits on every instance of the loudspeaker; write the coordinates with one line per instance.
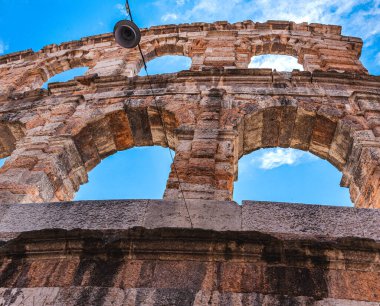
(127, 34)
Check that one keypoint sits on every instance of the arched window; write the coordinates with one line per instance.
(167, 64)
(289, 175)
(277, 62)
(66, 76)
(137, 173)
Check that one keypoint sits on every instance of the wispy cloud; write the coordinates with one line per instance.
(278, 62)
(378, 58)
(358, 17)
(169, 16)
(3, 47)
(274, 158)
(121, 8)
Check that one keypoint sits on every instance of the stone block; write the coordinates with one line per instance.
(212, 215)
(307, 220)
(72, 215)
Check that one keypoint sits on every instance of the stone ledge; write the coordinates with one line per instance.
(283, 219)
(150, 296)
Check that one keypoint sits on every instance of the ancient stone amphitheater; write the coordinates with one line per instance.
(212, 251)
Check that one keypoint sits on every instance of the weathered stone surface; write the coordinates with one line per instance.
(85, 215)
(210, 251)
(210, 127)
(150, 297)
(310, 220)
(275, 218)
(172, 265)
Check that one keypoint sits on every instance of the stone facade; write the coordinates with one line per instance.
(146, 252)
(215, 113)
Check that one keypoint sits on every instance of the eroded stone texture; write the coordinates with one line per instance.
(212, 119)
(210, 252)
(213, 114)
(317, 47)
(257, 254)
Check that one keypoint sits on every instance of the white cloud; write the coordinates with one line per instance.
(121, 9)
(358, 17)
(169, 16)
(3, 47)
(274, 158)
(278, 62)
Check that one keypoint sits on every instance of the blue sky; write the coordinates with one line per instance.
(274, 175)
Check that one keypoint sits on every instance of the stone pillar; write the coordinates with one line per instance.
(206, 156)
(362, 170)
(42, 169)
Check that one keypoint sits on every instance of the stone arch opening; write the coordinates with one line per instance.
(51, 168)
(167, 64)
(285, 45)
(275, 62)
(164, 49)
(289, 175)
(297, 128)
(118, 131)
(341, 140)
(36, 76)
(66, 76)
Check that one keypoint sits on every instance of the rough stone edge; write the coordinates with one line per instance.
(57, 296)
(296, 220)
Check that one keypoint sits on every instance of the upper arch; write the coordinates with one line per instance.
(200, 41)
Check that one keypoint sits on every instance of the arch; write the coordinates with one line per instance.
(275, 44)
(163, 46)
(102, 136)
(292, 126)
(120, 130)
(47, 68)
(51, 168)
(338, 138)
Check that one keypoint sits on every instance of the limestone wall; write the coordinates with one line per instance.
(146, 253)
(212, 118)
(220, 44)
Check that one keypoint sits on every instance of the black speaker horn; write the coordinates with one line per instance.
(127, 34)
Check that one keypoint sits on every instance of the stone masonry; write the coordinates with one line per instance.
(146, 253)
(57, 252)
(215, 113)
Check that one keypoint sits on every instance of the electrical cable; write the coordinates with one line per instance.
(128, 9)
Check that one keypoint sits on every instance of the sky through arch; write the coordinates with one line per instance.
(66, 76)
(167, 64)
(137, 173)
(274, 61)
(289, 175)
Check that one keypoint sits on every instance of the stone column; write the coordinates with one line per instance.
(206, 156)
(362, 170)
(42, 169)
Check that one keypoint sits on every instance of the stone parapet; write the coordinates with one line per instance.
(146, 253)
(278, 219)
